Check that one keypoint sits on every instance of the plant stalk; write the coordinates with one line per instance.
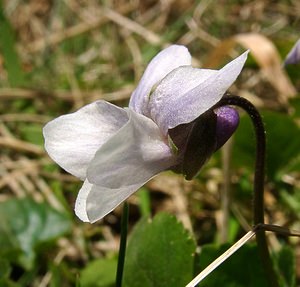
(123, 242)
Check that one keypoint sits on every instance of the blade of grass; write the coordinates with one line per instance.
(144, 202)
(7, 48)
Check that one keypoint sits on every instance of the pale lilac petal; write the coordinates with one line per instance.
(72, 140)
(172, 88)
(132, 156)
(186, 93)
(94, 202)
(80, 204)
(293, 56)
(162, 64)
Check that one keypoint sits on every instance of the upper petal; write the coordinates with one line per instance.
(72, 140)
(186, 93)
(162, 64)
(132, 156)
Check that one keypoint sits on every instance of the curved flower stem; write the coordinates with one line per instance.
(258, 202)
(122, 249)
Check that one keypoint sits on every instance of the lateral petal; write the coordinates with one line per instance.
(186, 93)
(132, 156)
(72, 140)
(162, 64)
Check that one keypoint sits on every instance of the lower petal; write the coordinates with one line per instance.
(80, 204)
(94, 202)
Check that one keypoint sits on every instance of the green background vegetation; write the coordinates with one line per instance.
(56, 56)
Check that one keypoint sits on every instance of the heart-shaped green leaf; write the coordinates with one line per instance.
(160, 253)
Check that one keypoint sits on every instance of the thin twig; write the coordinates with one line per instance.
(20, 145)
(132, 26)
(68, 33)
(48, 193)
(257, 228)
(278, 229)
(48, 276)
(12, 184)
(15, 93)
(211, 267)
(34, 118)
(7, 178)
(135, 53)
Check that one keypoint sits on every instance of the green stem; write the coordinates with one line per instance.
(122, 249)
(259, 176)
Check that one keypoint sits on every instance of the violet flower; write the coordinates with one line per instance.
(169, 125)
(293, 57)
